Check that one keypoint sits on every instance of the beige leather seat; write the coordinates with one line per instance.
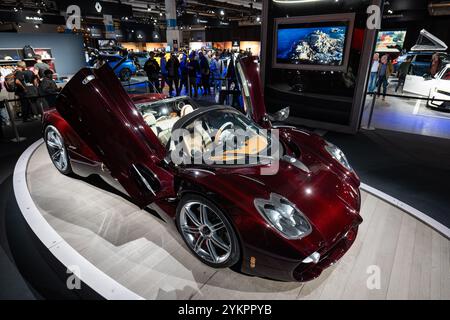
(151, 122)
(198, 140)
(164, 127)
(186, 110)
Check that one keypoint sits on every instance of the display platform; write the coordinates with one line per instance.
(126, 253)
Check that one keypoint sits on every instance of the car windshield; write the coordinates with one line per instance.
(225, 136)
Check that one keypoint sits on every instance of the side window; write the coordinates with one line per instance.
(423, 58)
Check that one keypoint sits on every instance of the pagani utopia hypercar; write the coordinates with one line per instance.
(286, 218)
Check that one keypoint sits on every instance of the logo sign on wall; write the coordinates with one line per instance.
(73, 16)
(99, 8)
(140, 36)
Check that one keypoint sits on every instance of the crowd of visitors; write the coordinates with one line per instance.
(198, 70)
(34, 88)
(382, 68)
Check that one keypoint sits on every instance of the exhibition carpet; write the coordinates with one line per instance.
(10, 276)
(414, 169)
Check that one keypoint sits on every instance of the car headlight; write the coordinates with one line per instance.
(338, 155)
(283, 216)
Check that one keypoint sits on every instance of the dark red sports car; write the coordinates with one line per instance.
(284, 217)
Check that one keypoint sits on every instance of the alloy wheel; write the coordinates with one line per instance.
(56, 149)
(205, 232)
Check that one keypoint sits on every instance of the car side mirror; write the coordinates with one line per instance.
(280, 115)
(427, 77)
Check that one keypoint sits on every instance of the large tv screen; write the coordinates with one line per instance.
(313, 43)
(390, 41)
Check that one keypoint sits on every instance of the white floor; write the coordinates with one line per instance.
(138, 251)
(407, 115)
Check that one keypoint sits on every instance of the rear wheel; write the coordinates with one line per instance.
(125, 74)
(57, 150)
(207, 232)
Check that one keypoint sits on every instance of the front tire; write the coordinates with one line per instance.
(207, 232)
(57, 150)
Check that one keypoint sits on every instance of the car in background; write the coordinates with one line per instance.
(440, 90)
(421, 61)
(139, 58)
(123, 67)
(433, 88)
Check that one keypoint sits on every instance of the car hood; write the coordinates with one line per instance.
(327, 195)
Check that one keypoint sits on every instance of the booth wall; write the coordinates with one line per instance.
(67, 49)
(323, 99)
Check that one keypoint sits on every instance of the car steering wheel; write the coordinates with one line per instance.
(221, 129)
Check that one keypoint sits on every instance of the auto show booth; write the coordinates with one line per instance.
(322, 76)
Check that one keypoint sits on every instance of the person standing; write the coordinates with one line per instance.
(385, 70)
(205, 73)
(40, 66)
(435, 64)
(26, 82)
(173, 75)
(193, 69)
(184, 73)
(151, 68)
(403, 71)
(374, 73)
(48, 88)
(162, 64)
(215, 72)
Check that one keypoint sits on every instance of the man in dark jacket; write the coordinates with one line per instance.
(151, 67)
(173, 75)
(403, 71)
(48, 89)
(204, 71)
(193, 69)
(26, 83)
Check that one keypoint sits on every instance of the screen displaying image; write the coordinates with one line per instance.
(320, 43)
(312, 45)
(390, 41)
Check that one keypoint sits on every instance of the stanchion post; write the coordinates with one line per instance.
(372, 107)
(17, 138)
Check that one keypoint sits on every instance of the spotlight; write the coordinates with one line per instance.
(222, 13)
(258, 19)
(36, 26)
(149, 8)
